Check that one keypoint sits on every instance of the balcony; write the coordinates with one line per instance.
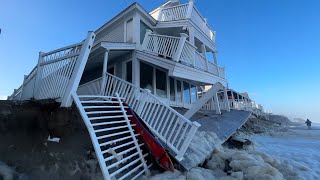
(180, 50)
(183, 12)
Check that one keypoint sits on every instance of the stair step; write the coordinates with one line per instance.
(113, 128)
(117, 140)
(98, 107)
(108, 123)
(131, 171)
(119, 146)
(126, 166)
(114, 134)
(139, 174)
(123, 160)
(89, 102)
(103, 112)
(108, 117)
(123, 152)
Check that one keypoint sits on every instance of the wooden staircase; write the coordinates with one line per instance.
(115, 141)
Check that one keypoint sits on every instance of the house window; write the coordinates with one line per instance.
(179, 93)
(146, 76)
(172, 91)
(186, 93)
(143, 28)
(193, 91)
(129, 71)
(161, 83)
(129, 30)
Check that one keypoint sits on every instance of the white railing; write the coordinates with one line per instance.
(173, 13)
(222, 72)
(16, 95)
(200, 61)
(209, 105)
(202, 23)
(183, 11)
(28, 85)
(213, 68)
(187, 55)
(57, 73)
(160, 44)
(55, 70)
(90, 88)
(175, 130)
(179, 50)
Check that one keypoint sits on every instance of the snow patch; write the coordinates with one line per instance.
(200, 149)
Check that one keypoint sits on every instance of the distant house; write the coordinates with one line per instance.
(154, 62)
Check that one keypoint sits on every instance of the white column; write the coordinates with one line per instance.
(104, 71)
(226, 98)
(191, 35)
(217, 104)
(136, 29)
(38, 75)
(233, 102)
(190, 8)
(135, 69)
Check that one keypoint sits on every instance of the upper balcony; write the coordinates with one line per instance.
(183, 12)
(180, 50)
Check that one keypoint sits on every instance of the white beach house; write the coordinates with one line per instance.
(152, 61)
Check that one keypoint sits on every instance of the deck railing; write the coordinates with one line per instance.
(173, 13)
(180, 50)
(57, 73)
(181, 12)
(160, 44)
(172, 128)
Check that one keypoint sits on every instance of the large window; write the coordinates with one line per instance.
(193, 91)
(172, 89)
(129, 71)
(146, 76)
(186, 93)
(161, 83)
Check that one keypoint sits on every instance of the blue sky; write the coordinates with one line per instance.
(270, 48)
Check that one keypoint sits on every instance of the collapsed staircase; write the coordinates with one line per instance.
(115, 141)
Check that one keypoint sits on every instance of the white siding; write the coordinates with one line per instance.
(115, 35)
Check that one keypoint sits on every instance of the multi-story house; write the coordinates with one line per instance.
(153, 62)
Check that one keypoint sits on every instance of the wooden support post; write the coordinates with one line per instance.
(104, 72)
(217, 104)
(190, 9)
(226, 99)
(38, 76)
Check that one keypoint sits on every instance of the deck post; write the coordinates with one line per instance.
(190, 9)
(78, 70)
(216, 103)
(38, 75)
(180, 47)
(160, 14)
(22, 87)
(226, 99)
(104, 72)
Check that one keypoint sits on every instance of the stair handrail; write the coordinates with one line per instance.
(186, 137)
